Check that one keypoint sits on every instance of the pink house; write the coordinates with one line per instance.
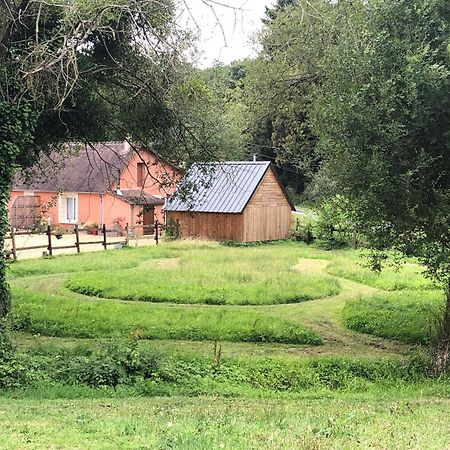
(111, 183)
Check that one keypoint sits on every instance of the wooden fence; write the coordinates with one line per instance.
(50, 247)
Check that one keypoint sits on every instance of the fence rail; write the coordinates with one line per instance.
(50, 247)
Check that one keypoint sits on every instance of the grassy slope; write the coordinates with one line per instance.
(408, 316)
(408, 276)
(322, 316)
(206, 423)
(65, 315)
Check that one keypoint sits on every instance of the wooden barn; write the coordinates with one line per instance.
(239, 201)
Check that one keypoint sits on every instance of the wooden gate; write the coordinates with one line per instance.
(25, 212)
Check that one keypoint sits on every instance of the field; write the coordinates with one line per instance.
(218, 423)
(199, 345)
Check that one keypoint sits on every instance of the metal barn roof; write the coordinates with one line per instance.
(218, 187)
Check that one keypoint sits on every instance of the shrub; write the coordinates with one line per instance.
(334, 225)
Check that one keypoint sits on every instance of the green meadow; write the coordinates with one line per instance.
(200, 345)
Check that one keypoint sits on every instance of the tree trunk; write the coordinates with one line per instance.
(5, 185)
(355, 238)
(441, 352)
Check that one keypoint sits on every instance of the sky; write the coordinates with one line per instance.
(224, 33)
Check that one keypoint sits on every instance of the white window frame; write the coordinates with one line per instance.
(63, 207)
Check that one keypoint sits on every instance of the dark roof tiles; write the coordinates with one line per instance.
(83, 168)
(139, 197)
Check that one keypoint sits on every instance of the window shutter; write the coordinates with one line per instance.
(62, 208)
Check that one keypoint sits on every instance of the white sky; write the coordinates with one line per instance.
(225, 33)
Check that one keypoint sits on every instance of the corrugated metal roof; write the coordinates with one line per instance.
(218, 187)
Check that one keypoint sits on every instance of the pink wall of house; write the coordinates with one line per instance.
(158, 179)
(47, 200)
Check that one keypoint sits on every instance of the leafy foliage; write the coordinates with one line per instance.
(383, 122)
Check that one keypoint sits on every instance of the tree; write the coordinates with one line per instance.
(382, 117)
(83, 71)
(211, 105)
(280, 83)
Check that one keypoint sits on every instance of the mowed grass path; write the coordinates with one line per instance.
(367, 411)
(43, 306)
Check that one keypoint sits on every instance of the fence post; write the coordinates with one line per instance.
(104, 236)
(127, 237)
(156, 231)
(77, 239)
(49, 236)
(13, 244)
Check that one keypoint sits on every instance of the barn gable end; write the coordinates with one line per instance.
(241, 201)
(268, 213)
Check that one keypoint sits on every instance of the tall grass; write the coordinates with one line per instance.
(64, 316)
(408, 316)
(241, 276)
(408, 276)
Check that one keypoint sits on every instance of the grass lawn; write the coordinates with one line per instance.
(68, 315)
(220, 423)
(266, 278)
(239, 276)
(309, 354)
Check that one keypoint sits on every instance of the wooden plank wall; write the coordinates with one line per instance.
(268, 215)
(216, 226)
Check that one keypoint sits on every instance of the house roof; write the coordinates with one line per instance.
(92, 167)
(83, 168)
(220, 187)
(139, 197)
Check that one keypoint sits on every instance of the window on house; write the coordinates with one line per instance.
(71, 209)
(140, 174)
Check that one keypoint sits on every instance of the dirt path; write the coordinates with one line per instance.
(32, 240)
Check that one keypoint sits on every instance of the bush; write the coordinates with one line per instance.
(334, 226)
(113, 363)
(13, 372)
(148, 372)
